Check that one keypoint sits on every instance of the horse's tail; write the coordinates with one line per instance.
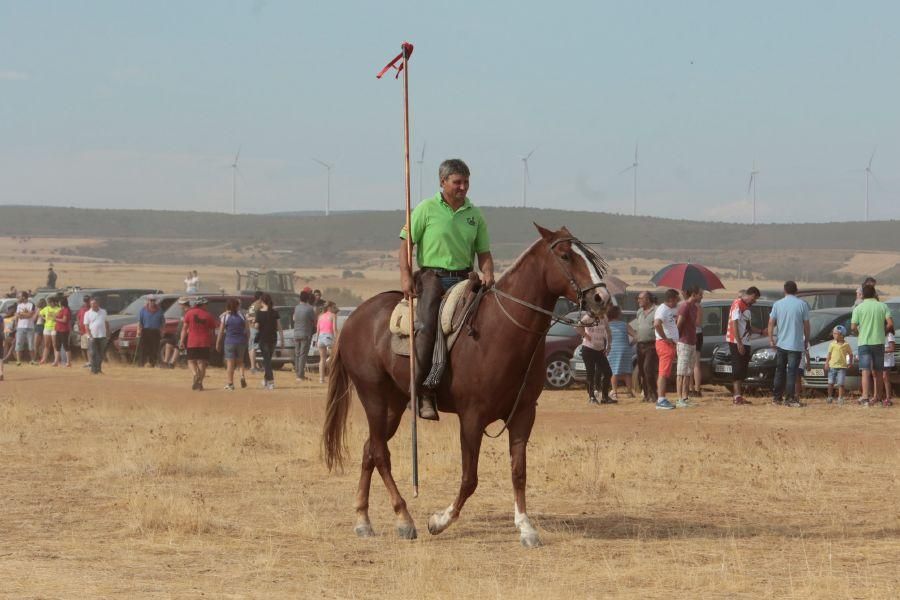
(336, 410)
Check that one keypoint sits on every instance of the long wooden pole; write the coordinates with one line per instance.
(413, 401)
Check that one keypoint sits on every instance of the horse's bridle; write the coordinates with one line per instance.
(589, 253)
(581, 292)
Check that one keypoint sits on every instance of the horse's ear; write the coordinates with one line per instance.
(545, 233)
(566, 231)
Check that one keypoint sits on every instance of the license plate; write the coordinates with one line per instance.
(124, 344)
(816, 373)
(723, 368)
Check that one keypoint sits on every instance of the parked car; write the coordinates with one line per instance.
(559, 346)
(761, 370)
(126, 343)
(818, 298)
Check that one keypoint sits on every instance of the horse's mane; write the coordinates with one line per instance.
(592, 256)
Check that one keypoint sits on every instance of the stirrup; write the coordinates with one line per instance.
(427, 409)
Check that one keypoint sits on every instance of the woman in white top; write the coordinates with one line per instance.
(595, 337)
(889, 363)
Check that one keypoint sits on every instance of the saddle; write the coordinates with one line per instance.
(458, 306)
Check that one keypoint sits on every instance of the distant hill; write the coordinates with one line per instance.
(285, 239)
(379, 229)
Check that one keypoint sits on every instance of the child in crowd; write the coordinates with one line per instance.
(840, 358)
(889, 363)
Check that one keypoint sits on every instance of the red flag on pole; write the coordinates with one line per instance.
(408, 49)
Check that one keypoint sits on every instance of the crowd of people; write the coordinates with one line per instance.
(668, 337)
(39, 334)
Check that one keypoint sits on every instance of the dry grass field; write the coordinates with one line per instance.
(130, 485)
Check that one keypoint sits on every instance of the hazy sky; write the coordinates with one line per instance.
(143, 104)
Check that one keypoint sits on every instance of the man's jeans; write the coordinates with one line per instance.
(301, 352)
(787, 363)
(98, 351)
(648, 368)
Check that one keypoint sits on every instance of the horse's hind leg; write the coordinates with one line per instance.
(363, 525)
(383, 422)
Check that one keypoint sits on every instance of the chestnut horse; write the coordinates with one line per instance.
(496, 374)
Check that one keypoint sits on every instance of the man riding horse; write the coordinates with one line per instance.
(448, 231)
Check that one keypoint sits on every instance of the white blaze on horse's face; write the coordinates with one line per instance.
(601, 293)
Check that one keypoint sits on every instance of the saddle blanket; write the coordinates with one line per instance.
(451, 315)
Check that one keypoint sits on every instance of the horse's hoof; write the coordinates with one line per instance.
(407, 532)
(364, 531)
(434, 526)
(531, 541)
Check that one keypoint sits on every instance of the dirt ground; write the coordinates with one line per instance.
(128, 484)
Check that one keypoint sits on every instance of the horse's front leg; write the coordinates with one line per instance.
(470, 442)
(519, 432)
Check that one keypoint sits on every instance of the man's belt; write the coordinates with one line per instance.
(447, 273)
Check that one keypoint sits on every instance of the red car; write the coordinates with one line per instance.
(126, 343)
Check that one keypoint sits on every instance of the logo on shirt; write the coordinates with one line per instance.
(471, 221)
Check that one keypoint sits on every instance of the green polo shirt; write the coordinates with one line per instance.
(870, 316)
(447, 239)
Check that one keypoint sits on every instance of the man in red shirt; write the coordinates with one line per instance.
(197, 336)
(737, 332)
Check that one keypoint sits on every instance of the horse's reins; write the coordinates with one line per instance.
(598, 263)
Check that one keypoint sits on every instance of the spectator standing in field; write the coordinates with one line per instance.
(39, 332)
(645, 336)
(63, 328)
(737, 333)
(192, 283)
(9, 332)
(25, 316)
(197, 338)
(268, 327)
(151, 320)
(232, 341)
(859, 295)
(870, 320)
(686, 349)
(48, 313)
(326, 334)
(304, 329)
(251, 317)
(84, 340)
(620, 351)
(664, 322)
(595, 335)
(172, 342)
(790, 317)
(51, 278)
(889, 363)
(319, 303)
(839, 359)
(97, 326)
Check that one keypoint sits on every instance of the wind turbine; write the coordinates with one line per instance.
(754, 176)
(526, 177)
(234, 174)
(419, 162)
(634, 167)
(869, 173)
(328, 168)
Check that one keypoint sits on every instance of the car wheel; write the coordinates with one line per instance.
(558, 373)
